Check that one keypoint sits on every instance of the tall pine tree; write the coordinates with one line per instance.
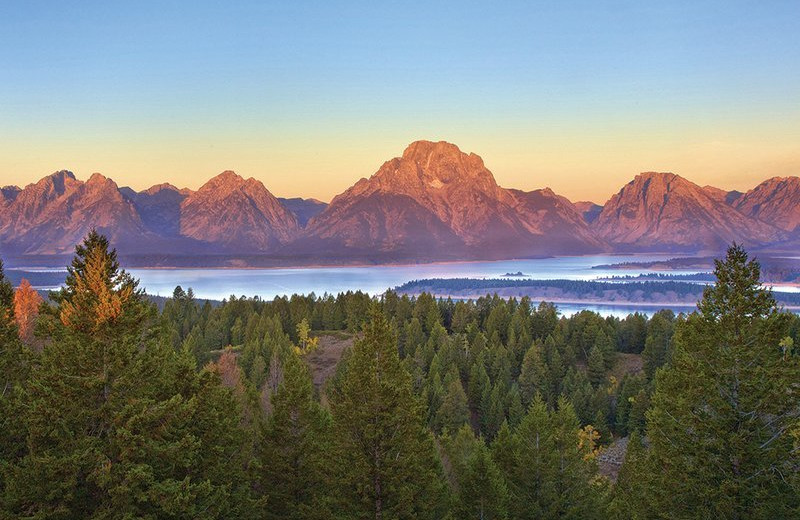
(118, 423)
(387, 464)
(14, 369)
(722, 411)
(295, 472)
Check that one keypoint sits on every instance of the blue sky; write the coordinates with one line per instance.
(310, 96)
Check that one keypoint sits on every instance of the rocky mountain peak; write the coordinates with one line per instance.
(100, 180)
(665, 177)
(9, 193)
(666, 211)
(441, 163)
(158, 188)
(776, 200)
(782, 182)
(429, 171)
(226, 180)
(231, 210)
(57, 182)
(61, 175)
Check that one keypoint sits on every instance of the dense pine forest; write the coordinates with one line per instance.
(350, 406)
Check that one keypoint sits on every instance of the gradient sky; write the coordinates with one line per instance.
(309, 96)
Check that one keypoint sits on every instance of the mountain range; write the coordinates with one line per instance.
(434, 202)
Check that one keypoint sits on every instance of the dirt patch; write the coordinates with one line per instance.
(324, 359)
(610, 459)
(627, 364)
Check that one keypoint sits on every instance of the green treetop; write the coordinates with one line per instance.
(723, 409)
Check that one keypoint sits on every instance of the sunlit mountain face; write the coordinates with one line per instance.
(434, 202)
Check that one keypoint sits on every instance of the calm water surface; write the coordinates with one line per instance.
(217, 284)
(269, 283)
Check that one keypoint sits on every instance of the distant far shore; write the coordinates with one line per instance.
(634, 293)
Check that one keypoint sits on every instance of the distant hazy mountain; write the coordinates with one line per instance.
(589, 210)
(434, 202)
(303, 209)
(663, 211)
(159, 207)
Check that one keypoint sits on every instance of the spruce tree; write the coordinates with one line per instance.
(551, 472)
(454, 410)
(387, 465)
(533, 378)
(722, 411)
(295, 449)
(533, 464)
(478, 486)
(597, 367)
(14, 369)
(482, 491)
(656, 346)
(118, 424)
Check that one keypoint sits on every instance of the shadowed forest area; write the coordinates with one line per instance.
(351, 406)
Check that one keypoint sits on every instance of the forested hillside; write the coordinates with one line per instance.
(492, 408)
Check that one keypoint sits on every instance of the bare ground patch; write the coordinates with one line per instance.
(627, 364)
(324, 359)
(610, 459)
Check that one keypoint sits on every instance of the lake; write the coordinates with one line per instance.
(269, 283)
(217, 284)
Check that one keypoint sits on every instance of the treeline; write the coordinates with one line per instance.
(577, 287)
(489, 408)
(690, 277)
(774, 269)
(626, 290)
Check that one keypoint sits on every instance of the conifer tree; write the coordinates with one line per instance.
(628, 501)
(551, 475)
(722, 411)
(478, 382)
(533, 378)
(478, 487)
(14, 369)
(26, 310)
(295, 448)
(493, 411)
(118, 424)
(504, 453)
(514, 406)
(454, 410)
(656, 346)
(597, 367)
(534, 461)
(387, 464)
(482, 491)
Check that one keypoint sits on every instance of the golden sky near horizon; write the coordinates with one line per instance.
(580, 167)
